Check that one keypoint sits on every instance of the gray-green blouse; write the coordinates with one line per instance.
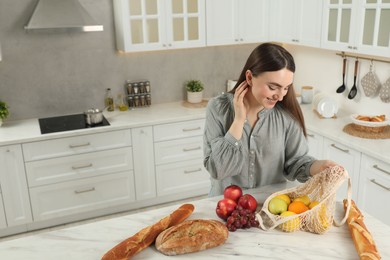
(274, 151)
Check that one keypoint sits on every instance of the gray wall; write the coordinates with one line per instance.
(49, 74)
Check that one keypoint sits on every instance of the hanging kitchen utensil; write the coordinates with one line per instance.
(353, 91)
(384, 92)
(342, 87)
(370, 83)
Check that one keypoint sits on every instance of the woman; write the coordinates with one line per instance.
(255, 134)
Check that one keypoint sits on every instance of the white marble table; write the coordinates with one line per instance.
(91, 241)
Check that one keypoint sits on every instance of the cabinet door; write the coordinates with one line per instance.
(185, 23)
(374, 28)
(374, 188)
(350, 160)
(14, 186)
(145, 179)
(297, 22)
(221, 19)
(315, 142)
(3, 220)
(339, 25)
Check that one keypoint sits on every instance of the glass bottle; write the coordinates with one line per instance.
(109, 100)
(121, 103)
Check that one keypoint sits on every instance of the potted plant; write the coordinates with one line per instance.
(194, 91)
(3, 111)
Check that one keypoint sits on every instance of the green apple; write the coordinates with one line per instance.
(277, 206)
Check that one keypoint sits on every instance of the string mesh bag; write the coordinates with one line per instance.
(322, 188)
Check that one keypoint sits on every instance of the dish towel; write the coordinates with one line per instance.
(384, 92)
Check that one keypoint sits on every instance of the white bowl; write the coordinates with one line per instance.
(368, 123)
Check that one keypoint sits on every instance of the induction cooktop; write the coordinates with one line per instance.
(66, 123)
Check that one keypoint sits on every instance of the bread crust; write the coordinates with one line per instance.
(362, 238)
(146, 236)
(191, 236)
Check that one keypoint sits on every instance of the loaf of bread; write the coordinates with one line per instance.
(379, 118)
(362, 238)
(192, 236)
(145, 237)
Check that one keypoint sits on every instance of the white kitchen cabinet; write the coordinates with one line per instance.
(315, 142)
(145, 179)
(235, 22)
(179, 159)
(360, 26)
(13, 185)
(350, 160)
(296, 21)
(374, 188)
(144, 25)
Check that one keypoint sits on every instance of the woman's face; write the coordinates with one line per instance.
(270, 87)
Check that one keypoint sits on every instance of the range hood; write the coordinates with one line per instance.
(62, 15)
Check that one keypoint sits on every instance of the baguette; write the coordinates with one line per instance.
(362, 238)
(145, 237)
(192, 236)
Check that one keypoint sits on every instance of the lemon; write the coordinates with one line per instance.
(305, 199)
(284, 197)
(290, 225)
(313, 204)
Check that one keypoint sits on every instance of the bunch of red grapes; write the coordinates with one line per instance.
(238, 210)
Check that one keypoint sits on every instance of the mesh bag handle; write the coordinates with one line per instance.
(322, 187)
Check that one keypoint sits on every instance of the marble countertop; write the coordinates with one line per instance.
(91, 241)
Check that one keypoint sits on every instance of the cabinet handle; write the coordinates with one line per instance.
(380, 185)
(82, 166)
(310, 135)
(85, 190)
(191, 149)
(79, 145)
(191, 171)
(338, 148)
(191, 129)
(349, 47)
(378, 168)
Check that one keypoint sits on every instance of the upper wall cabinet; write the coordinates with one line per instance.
(235, 22)
(357, 26)
(143, 25)
(296, 21)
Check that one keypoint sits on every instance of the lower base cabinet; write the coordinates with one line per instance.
(374, 188)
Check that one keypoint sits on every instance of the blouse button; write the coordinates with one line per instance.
(236, 143)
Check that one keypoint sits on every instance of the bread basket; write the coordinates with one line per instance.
(368, 126)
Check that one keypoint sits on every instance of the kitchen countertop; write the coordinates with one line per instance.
(91, 241)
(15, 132)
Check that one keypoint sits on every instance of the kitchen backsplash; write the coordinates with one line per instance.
(50, 74)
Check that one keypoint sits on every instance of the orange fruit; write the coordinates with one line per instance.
(291, 225)
(297, 207)
(284, 197)
(305, 199)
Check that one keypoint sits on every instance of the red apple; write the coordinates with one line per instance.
(232, 192)
(225, 207)
(247, 201)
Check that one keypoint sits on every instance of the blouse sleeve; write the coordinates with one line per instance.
(223, 156)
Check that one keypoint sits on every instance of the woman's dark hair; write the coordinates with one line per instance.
(272, 57)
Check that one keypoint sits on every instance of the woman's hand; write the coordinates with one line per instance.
(240, 110)
(320, 165)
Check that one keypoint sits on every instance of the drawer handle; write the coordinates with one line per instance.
(85, 190)
(380, 185)
(79, 145)
(338, 148)
(191, 171)
(378, 168)
(82, 166)
(191, 129)
(191, 149)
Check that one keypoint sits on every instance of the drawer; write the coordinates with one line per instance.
(178, 130)
(182, 177)
(79, 196)
(78, 166)
(76, 145)
(178, 150)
